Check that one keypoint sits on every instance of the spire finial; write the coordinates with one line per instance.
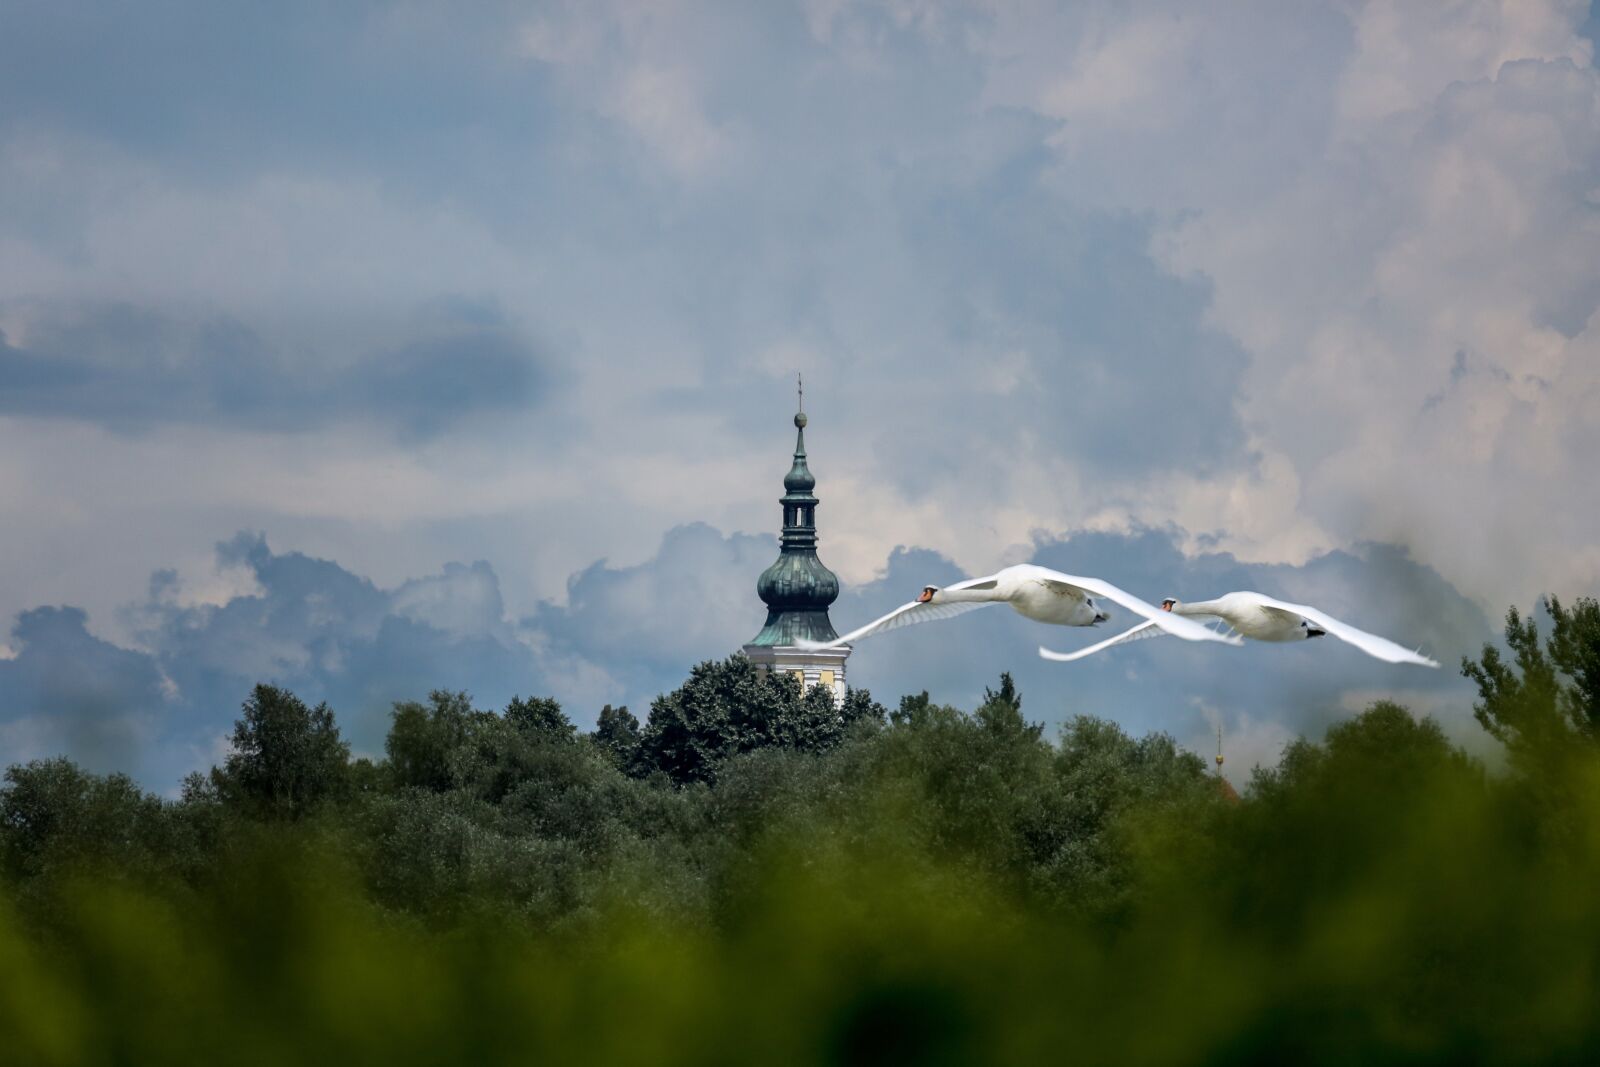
(1219, 748)
(800, 388)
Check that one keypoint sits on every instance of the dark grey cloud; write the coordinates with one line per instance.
(1030, 250)
(1000, 242)
(160, 709)
(332, 635)
(130, 367)
(220, 95)
(1115, 367)
(645, 624)
(66, 689)
(628, 633)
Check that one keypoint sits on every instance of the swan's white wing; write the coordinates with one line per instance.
(1371, 644)
(909, 614)
(1176, 625)
(1137, 633)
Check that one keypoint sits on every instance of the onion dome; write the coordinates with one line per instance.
(797, 588)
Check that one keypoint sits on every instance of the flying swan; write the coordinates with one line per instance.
(1038, 593)
(1260, 618)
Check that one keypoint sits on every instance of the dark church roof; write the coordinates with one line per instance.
(797, 588)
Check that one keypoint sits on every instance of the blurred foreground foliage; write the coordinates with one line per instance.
(752, 875)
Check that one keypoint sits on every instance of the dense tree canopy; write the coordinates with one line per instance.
(757, 873)
(732, 707)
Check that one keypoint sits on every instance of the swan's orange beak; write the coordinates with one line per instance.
(927, 595)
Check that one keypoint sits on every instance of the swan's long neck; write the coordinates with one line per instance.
(969, 596)
(1199, 607)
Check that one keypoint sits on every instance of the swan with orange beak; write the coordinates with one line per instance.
(1261, 618)
(1036, 593)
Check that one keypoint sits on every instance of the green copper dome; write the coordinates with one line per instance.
(797, 588)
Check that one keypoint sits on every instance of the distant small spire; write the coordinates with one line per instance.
(1219, 748)
(800, 414)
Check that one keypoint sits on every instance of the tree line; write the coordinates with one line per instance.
(754, 872)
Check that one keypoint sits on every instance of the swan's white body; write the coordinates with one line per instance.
(1261, 618)
(1037, 593)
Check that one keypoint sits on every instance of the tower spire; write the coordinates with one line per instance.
(797, 588)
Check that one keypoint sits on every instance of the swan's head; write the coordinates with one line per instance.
(927, 593)
(1166, 605)
(1100, 614)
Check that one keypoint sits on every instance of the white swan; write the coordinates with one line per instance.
(1261, 618)
(1038, 593)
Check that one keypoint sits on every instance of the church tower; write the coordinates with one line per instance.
(797, 588)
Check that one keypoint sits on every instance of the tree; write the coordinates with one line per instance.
(919, 710)
(1079, 832)
(1001, 710)
(1575, 650)
(541, 716)
(55, 815)
(1547, 696)
(966, 784)
(617, 735)
(731, 707)
(286, 758)
(422, 739)
(858, 706)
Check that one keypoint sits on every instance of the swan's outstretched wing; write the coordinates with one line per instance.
(1176, 625)
(1371, 644)
(908, 614)
(1137, 633)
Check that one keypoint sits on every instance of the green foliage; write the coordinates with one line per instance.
(1575, 651)
(1547, 693)
(732, 707)
(760, 876)
(616, 733)
(1001, 710)
(286, 759)
(1109, 794)
(541, 716)
(55, 816)
(1338, 814)
(423, 737)
(859, 707)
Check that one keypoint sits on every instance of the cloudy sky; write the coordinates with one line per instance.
(374, 348)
